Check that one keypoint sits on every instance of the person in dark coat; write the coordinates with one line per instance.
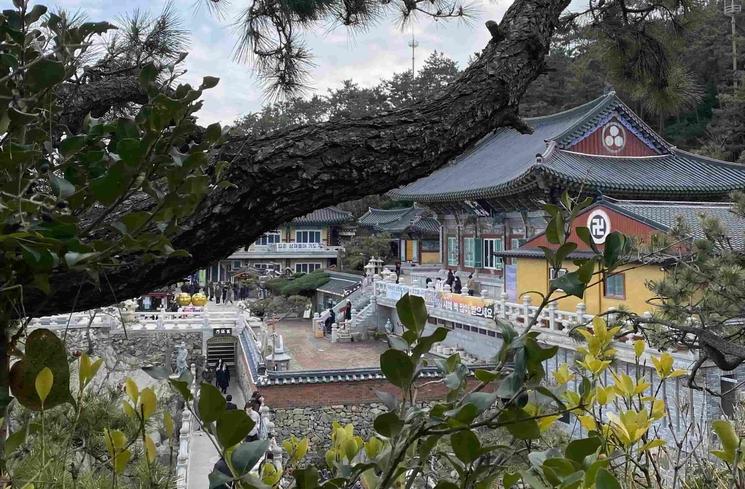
(222, 376)
(348, 311)
(451, 278)
(225, 293)
(398, 270)
(457, 286)
(218, 292)
(229, 404)
(329, 321)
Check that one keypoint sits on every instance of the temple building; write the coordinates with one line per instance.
(415, 234)
(305, 244)
(638, 219)
(489, 199)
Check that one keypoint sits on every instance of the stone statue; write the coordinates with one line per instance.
(181, 364)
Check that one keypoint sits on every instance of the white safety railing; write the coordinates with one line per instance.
(553, 324)
(185, 433)
(141, 321)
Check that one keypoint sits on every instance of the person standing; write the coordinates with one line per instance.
(210, 291)
(457, 286)
(229, 404)
(225, 292)
(471, 284)
(398, 270)
(252, 409)
(229, 290)
(222, 376)
(348, 311)
(217, 292)
(451, 278)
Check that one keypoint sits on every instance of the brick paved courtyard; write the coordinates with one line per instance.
(311, 353)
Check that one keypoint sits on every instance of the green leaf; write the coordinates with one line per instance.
(446, 485)
(148, 74)
(577, 450)
(209, 82)
(211, 403)
(487, 376)
(727, 436)
(482, 400)
(583, 232)
(43, 349)
(61, 187)
(388, 424)
(130, 151)
(398, 343)
(35, 14)
(72, 145)
(247, 455)
(466, 446)
(412, 312)
(218, 480)
(585, 271)
(519, 423)
(108, 187)
(182, 388)
(425, 342)
(43, 384)
(306, 478)
(510, 479)
(213, 132)
(158, 372)
(15, 440)
(606, 480)
(615, 245)
(233, 427)
(397, 368)
(563, 252)
(570, 283)
(45, 74)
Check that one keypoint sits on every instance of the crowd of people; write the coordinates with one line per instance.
(454, 282)
(226, 292)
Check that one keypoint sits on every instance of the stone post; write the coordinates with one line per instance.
(526, 309)
(552, 316)
(159, 321)
(334, 327)
(580, 312)
(611, 317)
(503, 305)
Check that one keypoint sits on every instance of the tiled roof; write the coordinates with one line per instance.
(665, 215)
(340, 375)
(506, 163)
(395, 221)
(338, 286)
(327, 215)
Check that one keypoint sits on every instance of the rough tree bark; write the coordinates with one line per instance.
(290, 173)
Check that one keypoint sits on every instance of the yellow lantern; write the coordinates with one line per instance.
(199, 299)
(183, 299)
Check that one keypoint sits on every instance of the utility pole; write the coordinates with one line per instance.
(731, 9)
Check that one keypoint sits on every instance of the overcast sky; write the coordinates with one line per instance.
(339, 54)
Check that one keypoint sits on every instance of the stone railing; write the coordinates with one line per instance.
(553, 324)
(187, 428)
(141, 321)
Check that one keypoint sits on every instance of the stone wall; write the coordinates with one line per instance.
(315, 423)
(124, 356)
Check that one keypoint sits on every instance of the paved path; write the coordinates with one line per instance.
(311, 353)
(203, 454)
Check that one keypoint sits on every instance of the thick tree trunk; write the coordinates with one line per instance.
(290, 173)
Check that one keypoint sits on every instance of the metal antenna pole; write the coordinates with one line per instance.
(413, 44)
